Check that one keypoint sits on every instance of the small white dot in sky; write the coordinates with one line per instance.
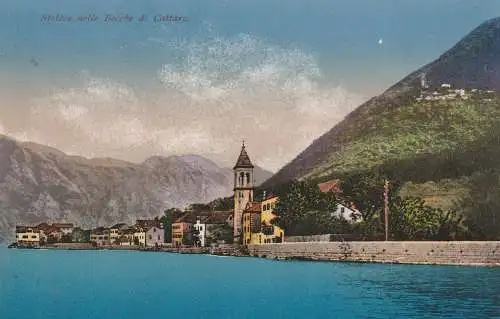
(380, 41)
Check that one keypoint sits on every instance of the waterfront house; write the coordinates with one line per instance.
(100, 236)
(140, 236)
(155, 236)
(126, 237)
(147, 232)
(44, 229)
(206, 222)
(182, 230)
(115, 232)
(252, 224)
(270, 233)
(258, 222)
(27, 236)
(64, 228)
(53, 234)
(201, 230)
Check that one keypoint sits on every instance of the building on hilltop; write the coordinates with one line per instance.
(243, 190)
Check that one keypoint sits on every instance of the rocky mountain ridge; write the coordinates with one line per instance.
(40, 183)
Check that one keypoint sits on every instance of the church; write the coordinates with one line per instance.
(253, 219)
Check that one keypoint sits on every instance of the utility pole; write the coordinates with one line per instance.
(386, 208)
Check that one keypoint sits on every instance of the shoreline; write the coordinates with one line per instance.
(470, 254)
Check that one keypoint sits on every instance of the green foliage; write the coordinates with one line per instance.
(223, 204)
(302, 209)
(170, 215)
(412, 219)
(221, 233)
(482, 206)
(410, 130)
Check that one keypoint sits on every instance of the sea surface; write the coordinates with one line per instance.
(122, 284)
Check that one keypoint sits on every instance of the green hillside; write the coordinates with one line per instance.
(413, 129)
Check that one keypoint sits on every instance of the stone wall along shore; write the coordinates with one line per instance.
(484, 253)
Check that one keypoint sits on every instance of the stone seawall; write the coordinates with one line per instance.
(446, 253)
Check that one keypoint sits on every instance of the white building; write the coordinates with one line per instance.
(155, 236)
(350, 214)
(202, 231)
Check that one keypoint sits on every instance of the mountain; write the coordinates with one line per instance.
(434, 145)
(39, 183)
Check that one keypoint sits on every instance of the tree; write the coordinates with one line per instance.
(169, 216)
(482, 207)
(412, 219)
(225, 203)
(302, 209)
(223, 233)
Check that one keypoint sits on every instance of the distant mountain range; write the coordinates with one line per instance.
(39, 183)
(434, 146)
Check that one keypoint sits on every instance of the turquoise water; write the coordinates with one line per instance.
(118, 284)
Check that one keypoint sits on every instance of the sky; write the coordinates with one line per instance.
(275, 74)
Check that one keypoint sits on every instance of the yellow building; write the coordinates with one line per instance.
(27, 236)
(270, 232)
(258, 225)
(251, 224)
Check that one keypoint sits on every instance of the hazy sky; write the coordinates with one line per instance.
(275, 73)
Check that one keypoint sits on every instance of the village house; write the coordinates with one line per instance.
(127, 237)
(345, 209)
(258, 219)
(155, 236)
(205, 224)
(100, 236)
(270, 233)
(182, 230)
(252, 224)
(65, 228)
(140, 236)
(115, 232)
(27, 236)
(149, 233)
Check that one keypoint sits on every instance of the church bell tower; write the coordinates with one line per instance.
(243, 189)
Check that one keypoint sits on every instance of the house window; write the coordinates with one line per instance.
(33, 237)
(158, 237)
(25, 236)
(150, 237)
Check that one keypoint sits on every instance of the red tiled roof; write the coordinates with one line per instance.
(330, 186)
(253, 207)
(270, 196)
(220, 217)
(186, 218)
